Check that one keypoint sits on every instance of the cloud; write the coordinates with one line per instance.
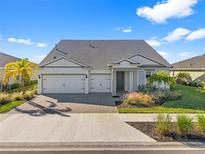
(198, 34)
(20, 41)
(41, 45)
(176, 35)
(162, 11)
(186, 55)
(153, 42)
(26, 42)
(38, 59)
(163, 54)
(124, 29)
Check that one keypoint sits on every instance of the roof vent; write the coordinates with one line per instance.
(54, 57)
(92, 46)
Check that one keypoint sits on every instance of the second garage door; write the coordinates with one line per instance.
(63, 83)
(100, 83)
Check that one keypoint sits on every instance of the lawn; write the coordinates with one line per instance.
(193, 101)
(9, 106)
(191, 98)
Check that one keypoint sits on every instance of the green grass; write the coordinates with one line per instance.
(191, 98)
(193, 101)
(158, 110)
(9, 106)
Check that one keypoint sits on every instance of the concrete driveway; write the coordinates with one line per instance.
(18, 127)
(53, 119)
(70, 103)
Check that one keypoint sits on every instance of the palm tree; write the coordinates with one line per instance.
(20, 70)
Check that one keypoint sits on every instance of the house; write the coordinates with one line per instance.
(4, 59)
(84, 66)
(194, 66)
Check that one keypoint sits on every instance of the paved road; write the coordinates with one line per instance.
(102, 148)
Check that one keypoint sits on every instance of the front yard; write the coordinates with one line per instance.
(12, 98)
(192, 101)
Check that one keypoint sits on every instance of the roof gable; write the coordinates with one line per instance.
(63, 62)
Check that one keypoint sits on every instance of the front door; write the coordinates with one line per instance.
(120, 81)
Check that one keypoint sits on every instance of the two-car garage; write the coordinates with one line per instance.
(75, 83)
(63, 83)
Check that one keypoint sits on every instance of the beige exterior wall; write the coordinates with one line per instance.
(194, 74)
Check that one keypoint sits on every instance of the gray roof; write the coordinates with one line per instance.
(99, 53)
(192, 63)
(4, 59)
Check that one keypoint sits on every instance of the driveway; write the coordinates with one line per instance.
(56, 118)
(76, 127)
(70, 103)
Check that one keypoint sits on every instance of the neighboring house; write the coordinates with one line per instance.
(4, 59)
(84, 66)
(194, 66)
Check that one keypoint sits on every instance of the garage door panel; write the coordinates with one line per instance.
(100, 83)
(63, 83)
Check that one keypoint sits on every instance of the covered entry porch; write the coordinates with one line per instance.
(127, 80)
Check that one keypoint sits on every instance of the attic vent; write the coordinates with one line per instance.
(92, 46)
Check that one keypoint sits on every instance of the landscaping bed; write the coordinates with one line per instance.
(192, 100)
(149, 128)
(11, 99)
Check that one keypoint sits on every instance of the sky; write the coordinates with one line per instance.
(31, 28)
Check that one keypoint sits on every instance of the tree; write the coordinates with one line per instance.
(20, 70)
(161, 77)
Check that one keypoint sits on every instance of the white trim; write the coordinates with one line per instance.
(68, 59)
(148, 58)
(121, 60)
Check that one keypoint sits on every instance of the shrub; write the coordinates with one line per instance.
(163, 124)
(29, 94)
(15, 85)
(146, 88)
(184, 124)
(183, 78)
(201, 123)
(138, 98)
(161, 77)
(17, 96)
(5, 98)
(161, 97)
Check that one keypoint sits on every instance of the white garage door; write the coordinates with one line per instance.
(63, 83)
(100, 83)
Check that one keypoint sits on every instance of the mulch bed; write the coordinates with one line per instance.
(149, 129)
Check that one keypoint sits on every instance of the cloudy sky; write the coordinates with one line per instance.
(31, 28)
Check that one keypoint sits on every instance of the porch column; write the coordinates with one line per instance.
(131, 81)
(113, 82)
